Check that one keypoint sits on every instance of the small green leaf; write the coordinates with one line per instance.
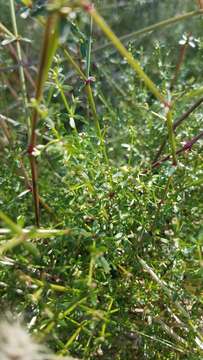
(104, 264)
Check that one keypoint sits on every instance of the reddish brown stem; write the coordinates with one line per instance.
(161, 202)
(45, 62)
(15, 57)
(188, 146)
(10, 87)
(180, 62)
(29, 186)
(177, 123)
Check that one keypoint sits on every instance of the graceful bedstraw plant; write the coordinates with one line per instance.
(49, 48)
(116, 271)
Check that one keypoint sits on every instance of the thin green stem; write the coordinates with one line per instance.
(89, 48)
(96, 120)
(171, 136)
(73, 337)
(170, 294)
(157, 26)
(135, 66)
(75, 65)
(16, 229)
(91, 266)
(11, 244)
(20, 59)
(124, 52)
(6, 31)
(48, 50)
(104, 325)
(63, 96)
(91, 101)
(93, 107)
(177, 123)
(90, 93)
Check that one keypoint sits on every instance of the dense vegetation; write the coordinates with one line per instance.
(101, 234)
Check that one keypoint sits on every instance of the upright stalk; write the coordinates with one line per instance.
(187, 147)
(90, 93)
(135, 66)
(154, 27)
(90, 99)
(171, 136)
(89, 48)
(123, 51)
(177, 123)
(48, 50)
(20, 60)
(180, 62)
(6, 31)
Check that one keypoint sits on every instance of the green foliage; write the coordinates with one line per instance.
(115, 271)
